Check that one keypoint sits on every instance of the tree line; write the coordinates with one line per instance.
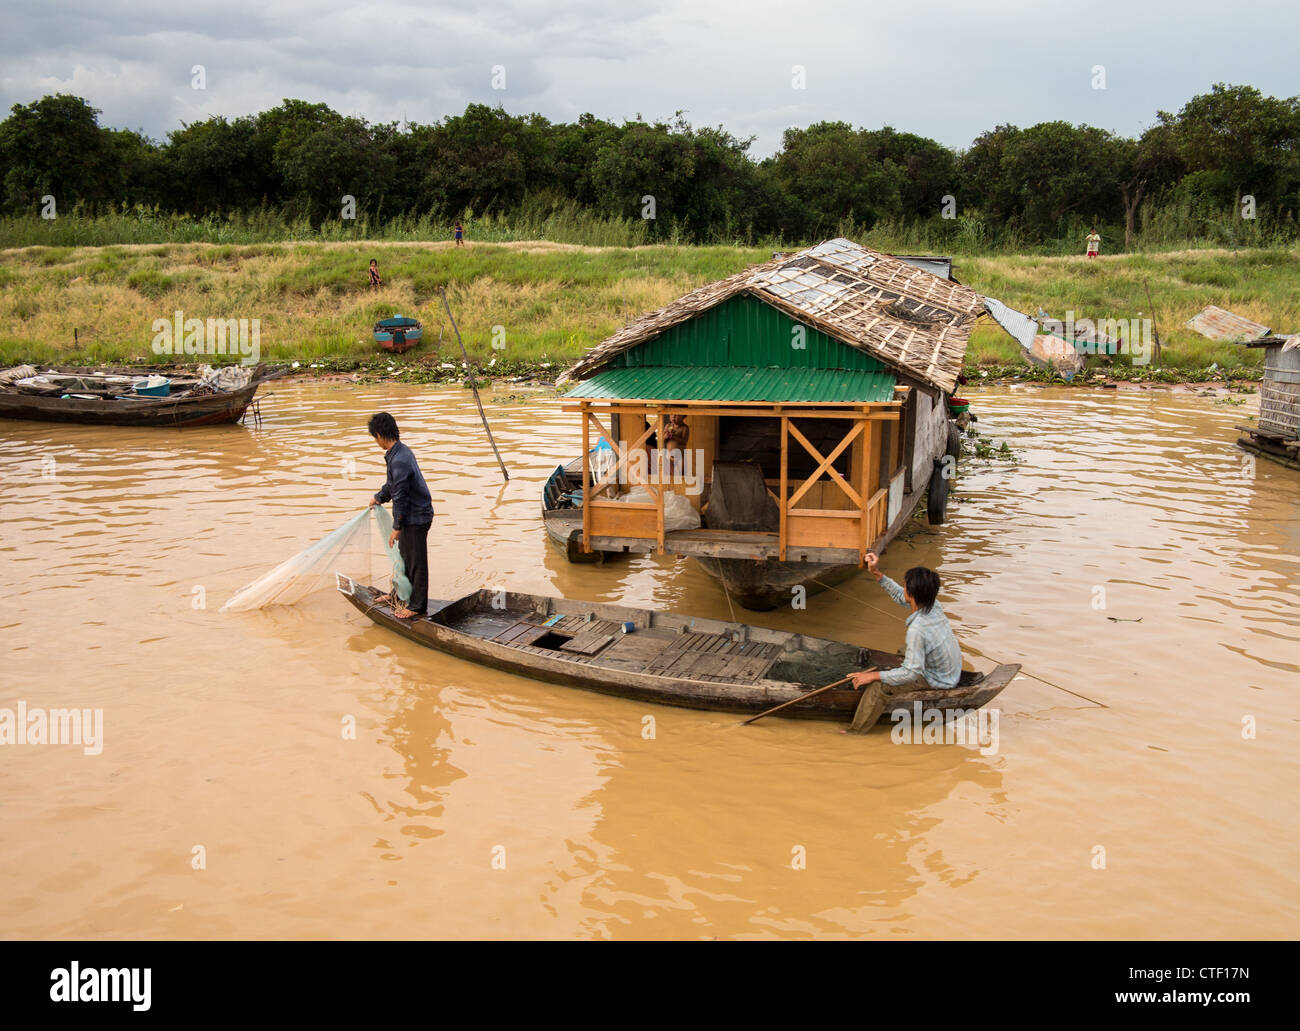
(1230, 153)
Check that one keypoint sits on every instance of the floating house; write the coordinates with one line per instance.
(814, 388)
(1277, 435)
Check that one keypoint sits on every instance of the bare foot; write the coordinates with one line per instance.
(383, 599)
(404, 613)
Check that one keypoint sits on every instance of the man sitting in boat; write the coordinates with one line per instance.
(933, 658)
(412, 513)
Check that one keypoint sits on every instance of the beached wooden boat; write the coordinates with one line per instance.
(670, 659)
(98, 398)
(398, 334)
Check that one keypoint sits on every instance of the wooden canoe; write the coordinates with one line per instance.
(562, 520)
(668, 659)
(178, 409)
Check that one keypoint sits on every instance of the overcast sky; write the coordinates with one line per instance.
(944, 69)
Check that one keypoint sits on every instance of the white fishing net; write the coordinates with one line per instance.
(348, 550)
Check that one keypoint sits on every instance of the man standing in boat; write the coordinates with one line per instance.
(412, 513)
(933, 658)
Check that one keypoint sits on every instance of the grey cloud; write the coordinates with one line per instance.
(943, 69)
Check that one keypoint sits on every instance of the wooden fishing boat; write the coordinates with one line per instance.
(101, 397)
(398, 334)
(665, 658)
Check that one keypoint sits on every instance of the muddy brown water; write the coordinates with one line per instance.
(474, 803)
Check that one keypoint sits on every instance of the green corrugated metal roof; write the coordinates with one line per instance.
(727, 383)
(744, 331)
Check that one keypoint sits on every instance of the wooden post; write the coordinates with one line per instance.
(785, 483)
(586, 477)
(873, 435)
(659, 472)
(865, 487)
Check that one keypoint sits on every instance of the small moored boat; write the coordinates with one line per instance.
(660, 657)
(562, 514)
(125, 397)
(398, 334)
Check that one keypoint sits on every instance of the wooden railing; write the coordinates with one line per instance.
(606, 516)
(854, 528)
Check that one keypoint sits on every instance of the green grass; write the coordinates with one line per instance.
(553, 301)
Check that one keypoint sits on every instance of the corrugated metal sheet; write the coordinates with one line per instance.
(1221, 324)
(726, 383)
(1021, 327)
(931, 263)
(745, 332)
(843, 254)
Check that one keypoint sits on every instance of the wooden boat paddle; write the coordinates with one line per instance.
(778, 708)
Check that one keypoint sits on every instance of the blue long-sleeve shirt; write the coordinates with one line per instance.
(405, 488)
(932, 648)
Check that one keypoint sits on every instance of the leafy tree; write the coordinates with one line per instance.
(831, 172)
(647, 160)
(140, 174)
(323, 157)
(980, 174)
(1147, 165)
(929, 169)
(301, 159)
(482, 160)
(54, 146)
(1251, 139)
(219, 166)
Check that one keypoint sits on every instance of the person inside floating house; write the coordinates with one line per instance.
(933, 657)
(676, 436)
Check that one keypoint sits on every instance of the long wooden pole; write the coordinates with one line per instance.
(778, 708)
(1155, 332)
(474, 386)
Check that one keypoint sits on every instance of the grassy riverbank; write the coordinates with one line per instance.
(552, 301)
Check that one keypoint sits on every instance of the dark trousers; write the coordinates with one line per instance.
(413, 543)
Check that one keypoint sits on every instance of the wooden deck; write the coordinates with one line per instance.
(722, 544)
(663, 652)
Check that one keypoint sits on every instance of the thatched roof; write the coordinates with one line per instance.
(913, 321)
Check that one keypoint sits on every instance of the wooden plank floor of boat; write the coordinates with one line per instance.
(653, 650)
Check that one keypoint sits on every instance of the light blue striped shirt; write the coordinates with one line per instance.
(932, 648)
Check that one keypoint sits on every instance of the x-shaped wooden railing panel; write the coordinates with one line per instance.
(826, 465)
(623, 456)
